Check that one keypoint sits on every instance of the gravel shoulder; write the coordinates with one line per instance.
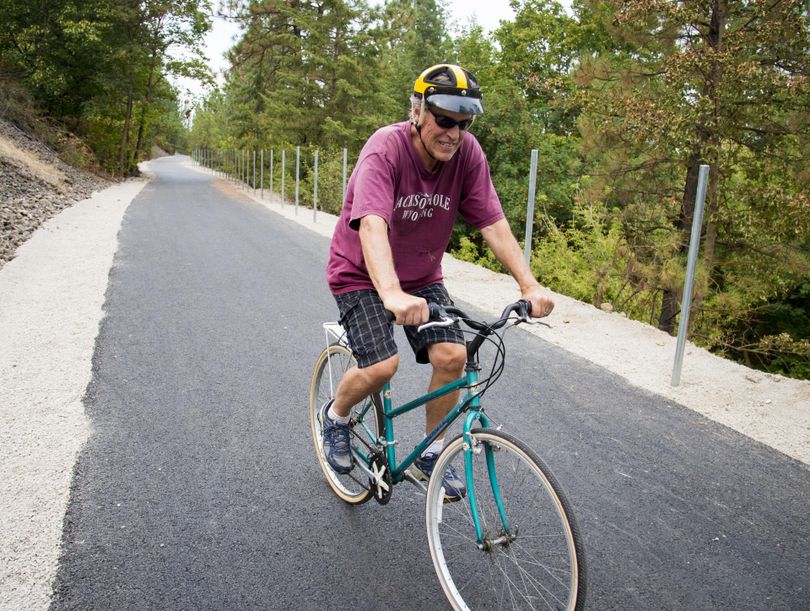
(51, 305)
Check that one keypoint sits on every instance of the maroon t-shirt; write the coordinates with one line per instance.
(419, 206)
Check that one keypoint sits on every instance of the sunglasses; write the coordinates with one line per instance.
(446, 122)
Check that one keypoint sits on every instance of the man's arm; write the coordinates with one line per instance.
(409, 310)
(499, 238)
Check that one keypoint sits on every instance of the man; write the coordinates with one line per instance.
(410, 181)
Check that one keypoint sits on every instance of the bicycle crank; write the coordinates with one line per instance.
(381, 483)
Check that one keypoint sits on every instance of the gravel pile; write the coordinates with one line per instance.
(34, 186)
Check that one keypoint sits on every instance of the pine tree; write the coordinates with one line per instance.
(720, 82)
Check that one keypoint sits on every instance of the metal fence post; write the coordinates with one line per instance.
(261, 174)
(527, 248)
(694, 245)
(271, 174)
(283, 162)
(315, 192)
(254, 171)
(345, 165)
(297, 160)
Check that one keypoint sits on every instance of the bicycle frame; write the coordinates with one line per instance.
(474, 413)
(468, 381)
(469, 402)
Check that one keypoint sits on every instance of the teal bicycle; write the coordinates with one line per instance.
(512, 542)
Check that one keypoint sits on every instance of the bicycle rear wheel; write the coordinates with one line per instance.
(536, 562)
(366, 423)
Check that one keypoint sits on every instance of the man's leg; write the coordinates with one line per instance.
(448, 362)
(371, 337)
(357, 384)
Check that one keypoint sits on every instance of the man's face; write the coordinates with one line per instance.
(442, 142)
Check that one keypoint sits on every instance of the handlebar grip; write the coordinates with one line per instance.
(436, 311)
(527, 306)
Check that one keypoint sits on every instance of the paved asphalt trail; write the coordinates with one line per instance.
(199, 490)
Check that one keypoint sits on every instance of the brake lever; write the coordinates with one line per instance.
(444, 322)
(531, 321)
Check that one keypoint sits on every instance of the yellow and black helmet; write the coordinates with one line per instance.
(449, 87)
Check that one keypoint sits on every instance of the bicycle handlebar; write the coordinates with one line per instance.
(447, 316)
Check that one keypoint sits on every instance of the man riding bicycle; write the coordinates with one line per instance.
(411, 180)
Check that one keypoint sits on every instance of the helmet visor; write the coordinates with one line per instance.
(456, 103)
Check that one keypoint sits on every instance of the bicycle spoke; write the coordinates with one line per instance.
(528, 568)
(333, 363)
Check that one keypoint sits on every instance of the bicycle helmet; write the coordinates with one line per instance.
(449, 87)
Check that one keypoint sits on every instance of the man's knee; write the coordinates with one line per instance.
(448, 358)
(379, 373)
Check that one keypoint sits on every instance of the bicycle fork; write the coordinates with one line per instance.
(471, 447)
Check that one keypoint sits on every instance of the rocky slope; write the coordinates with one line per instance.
(34, 186)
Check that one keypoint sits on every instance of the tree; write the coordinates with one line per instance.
(304, 72)
(168, 23)
(413, 37)
(95, 64)
(719, 82)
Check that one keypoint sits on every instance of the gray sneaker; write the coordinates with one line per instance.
(336, 442)
(454, 487)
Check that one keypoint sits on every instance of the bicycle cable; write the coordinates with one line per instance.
(499, 360)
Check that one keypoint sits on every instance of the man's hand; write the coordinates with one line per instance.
(542, 304)
(408, 309)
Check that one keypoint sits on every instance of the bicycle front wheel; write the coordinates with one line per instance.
(366, 424)
(530, 555)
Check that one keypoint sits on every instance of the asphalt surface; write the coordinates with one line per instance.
(199, 488)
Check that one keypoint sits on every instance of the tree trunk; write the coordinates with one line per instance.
(144, 107)
(670, 302)
(122, 161)
(707, 137)
(141, 122)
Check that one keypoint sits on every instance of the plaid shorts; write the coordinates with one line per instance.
(371, 335)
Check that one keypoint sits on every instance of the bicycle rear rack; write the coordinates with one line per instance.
(337, 333)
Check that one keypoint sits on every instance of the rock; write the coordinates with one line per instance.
(28, 200)
(606, 307)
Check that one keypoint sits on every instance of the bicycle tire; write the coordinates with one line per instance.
(541, 565)
(332, 363)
